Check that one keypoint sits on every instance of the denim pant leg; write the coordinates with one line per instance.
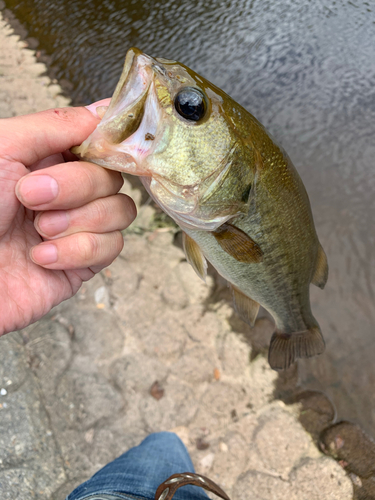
(139, 471)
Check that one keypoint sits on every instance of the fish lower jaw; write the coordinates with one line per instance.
(100, 153)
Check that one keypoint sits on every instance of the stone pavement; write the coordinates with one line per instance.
(146, 346)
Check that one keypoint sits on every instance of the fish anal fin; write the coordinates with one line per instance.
(286, 348)
(194, 256)
(238, 244)
(320, 275)
(246, 308)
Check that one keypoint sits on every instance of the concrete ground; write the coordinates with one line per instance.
(146, 346)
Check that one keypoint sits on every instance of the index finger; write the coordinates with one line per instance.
(29, 138)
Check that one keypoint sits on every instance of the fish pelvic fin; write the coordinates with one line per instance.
(194, 256)
(286, 348)
(320, 275)
(246, 308)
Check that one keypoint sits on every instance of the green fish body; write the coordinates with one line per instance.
(215, 170)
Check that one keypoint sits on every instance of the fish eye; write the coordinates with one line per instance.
(190, 103)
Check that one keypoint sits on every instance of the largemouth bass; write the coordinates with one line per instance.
(239, 201)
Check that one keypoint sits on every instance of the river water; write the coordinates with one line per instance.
(306, 70)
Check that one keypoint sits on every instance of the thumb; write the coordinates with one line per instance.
(29, 138)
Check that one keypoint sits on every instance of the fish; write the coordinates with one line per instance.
(235, 194)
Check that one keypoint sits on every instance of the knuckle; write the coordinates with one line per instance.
(99, 213)
(89, 183)
(88, 247)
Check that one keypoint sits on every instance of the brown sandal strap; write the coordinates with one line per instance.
(167, 489)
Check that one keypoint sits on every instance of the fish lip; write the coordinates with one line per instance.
(131, 59)
(136, 65)
(132, 88)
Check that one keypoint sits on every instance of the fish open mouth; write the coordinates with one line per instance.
(105, 146)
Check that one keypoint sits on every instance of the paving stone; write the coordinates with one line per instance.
(320, 479)
(260, 383)
(165, 337)
(125, 280)
(197, 290)
(18, 64)
(49, 349)
(18, 483)
(196, 365)
(280, 441)
(13, 363)
(234, 355)
(97, 334)
(220, 405)
(176, 408)
(26, 437)
(231, 460)
(203, 326)
(135, 373)
(173, 292)
(77, 395)
(256, 485)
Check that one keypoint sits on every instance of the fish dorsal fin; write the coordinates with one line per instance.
(285, 348)
(238, 244)
(246, 308)
(320, 275)
(194, 256)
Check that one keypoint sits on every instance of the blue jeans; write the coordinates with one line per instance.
(137, 473)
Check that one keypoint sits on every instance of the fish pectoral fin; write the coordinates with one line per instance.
(246, 308)
(194, 256)
(321, 269)
(238, 244)
(285, 348)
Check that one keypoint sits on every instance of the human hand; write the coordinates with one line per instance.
(60, 219)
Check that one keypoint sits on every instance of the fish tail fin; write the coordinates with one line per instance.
(285, 348)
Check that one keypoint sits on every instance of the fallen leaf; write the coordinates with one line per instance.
(201, 444)
(157, 391)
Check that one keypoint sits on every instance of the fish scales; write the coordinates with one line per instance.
(217, 172)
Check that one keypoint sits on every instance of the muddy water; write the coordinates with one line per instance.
(306, 69)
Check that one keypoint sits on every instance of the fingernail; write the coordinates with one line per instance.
(44, 254)
(92, 109)
(53, 224)
(37, 189)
